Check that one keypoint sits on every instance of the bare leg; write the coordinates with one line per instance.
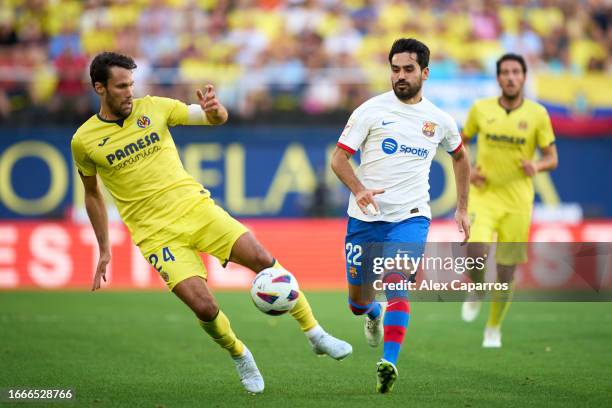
(247, 251)
(360, 295)
(471, 307)
(194, 293)
(477, 275)
(505, 273)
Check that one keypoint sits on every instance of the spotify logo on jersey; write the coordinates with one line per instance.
(389, 145)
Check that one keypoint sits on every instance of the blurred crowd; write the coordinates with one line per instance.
(297, 57)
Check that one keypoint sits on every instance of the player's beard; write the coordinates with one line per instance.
(409, 91)
(513, 90)
(116, 108)
(512, 96)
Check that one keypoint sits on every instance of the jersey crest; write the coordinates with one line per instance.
(143, 122)
(429, 129)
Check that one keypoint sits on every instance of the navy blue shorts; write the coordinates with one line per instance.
(366, 240)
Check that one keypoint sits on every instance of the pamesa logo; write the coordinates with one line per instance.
(390, 146)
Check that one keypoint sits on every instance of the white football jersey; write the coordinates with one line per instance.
(398, 142)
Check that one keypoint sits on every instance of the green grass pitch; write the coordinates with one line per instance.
(144, 349)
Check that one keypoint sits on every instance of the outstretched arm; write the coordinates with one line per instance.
(363, 196)
(215, 112)
(461, 168)
(96, 210)
(477, 178)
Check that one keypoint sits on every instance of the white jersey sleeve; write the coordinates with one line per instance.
(355, 131)
(451, 142)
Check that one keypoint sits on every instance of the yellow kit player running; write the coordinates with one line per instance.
(510, 128)
(171, 217)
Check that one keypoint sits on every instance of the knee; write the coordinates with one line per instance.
(206, 310)
(262, 258)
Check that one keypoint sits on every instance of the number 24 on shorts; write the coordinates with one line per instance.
(166, 256)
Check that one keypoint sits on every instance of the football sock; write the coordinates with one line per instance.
(500, 302)
(314, 333)
(374, 312)
(396, 318)
(372, 309)
(395, 323)
(221, 332)
(301, 311)
(277, 265)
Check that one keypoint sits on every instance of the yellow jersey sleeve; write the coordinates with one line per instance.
(545, 135)
(81, 159)
(177, 112)
(471, 124)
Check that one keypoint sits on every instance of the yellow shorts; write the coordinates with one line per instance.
(175, 250)
(512, 232)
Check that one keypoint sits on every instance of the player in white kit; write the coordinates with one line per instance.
(397, 134)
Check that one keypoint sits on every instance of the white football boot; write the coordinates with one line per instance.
(249, 374)
(374, 328)
(324, 343)
(492, 337)
(470, 310)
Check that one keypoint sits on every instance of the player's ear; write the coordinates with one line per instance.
(99, 88)
(425, 73)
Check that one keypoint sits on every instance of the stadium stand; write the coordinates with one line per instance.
(300, 58)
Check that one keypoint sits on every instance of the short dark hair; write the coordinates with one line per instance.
(411, 45)
(512, 57)
(99, 69)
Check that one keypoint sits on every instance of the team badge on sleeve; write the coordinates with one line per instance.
(429, 129)
(143, 122)
(346, 130)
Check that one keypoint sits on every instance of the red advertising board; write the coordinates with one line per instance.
(62, 255)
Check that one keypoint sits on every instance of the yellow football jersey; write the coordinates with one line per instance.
(137, 160)
(504, 139)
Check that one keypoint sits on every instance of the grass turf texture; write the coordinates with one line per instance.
(144, 349)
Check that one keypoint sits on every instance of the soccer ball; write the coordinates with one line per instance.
(274, 291)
